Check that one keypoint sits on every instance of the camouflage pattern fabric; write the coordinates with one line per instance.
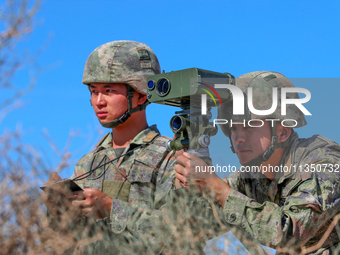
(125, 62)
(296, 208)
(138, 184)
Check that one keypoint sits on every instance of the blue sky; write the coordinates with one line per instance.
(297, 38)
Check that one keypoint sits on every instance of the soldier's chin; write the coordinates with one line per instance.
(244, 160)
(109, 124)
(105, 119)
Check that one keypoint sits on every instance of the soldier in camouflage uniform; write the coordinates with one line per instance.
(291, 208)
(126, 178)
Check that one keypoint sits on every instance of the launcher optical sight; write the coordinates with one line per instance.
(193, 91)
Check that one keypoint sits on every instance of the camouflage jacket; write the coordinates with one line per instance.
(296, 208)
(138, 182)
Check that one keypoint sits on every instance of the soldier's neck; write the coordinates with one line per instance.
(270, 164)
(124, 133)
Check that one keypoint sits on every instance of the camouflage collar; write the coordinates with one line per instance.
(286, 160)
(138, 140)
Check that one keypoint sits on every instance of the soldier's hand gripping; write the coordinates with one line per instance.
(185, 168)
(58, 199)
(93, 203)
(191, 170)
(53, 199)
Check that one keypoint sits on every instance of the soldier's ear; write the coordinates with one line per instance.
(284, 133)
(141, 98)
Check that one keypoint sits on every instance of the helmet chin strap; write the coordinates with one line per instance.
(127, 114)
(269, 152)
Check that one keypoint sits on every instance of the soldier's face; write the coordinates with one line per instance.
(250, 142)
(109, 100)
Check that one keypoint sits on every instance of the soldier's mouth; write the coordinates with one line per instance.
(242, 151)
(101, 114)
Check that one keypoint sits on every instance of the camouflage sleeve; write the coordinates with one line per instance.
(305, 213)
(77, 172)
(233, 180)
(80, 170)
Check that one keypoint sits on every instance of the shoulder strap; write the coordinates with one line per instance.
(150, 137)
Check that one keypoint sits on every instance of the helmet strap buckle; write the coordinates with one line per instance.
(275, 140)
(268, 153)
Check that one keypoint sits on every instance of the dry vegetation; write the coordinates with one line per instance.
(24, 227)
(21, 167)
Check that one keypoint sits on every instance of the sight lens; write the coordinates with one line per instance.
(163, 87)
(151, 85)
(176, 123)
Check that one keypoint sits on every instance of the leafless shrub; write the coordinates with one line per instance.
(25, 228)
(21, 168)
(16, 23)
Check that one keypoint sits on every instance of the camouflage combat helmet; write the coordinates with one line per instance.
(263, 83)
(125, 62)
